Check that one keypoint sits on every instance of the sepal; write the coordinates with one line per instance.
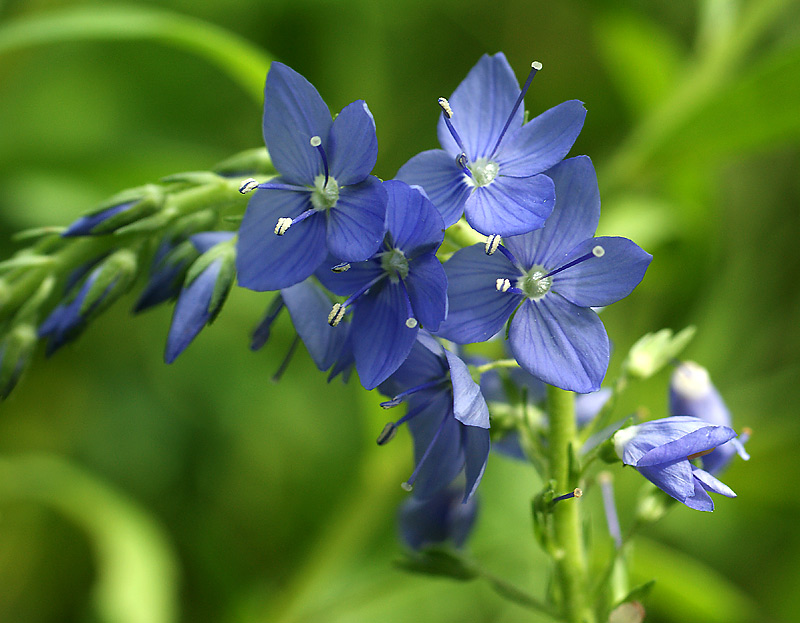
(111, 279)
(655, 350)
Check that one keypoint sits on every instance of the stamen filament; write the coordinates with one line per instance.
(399, 397)
(276, 186)
(535, 66)
(510, 257)
(575, 493)
(316, 142)
(447, 112)
(409, 484)
(284, 223)
(597, 251)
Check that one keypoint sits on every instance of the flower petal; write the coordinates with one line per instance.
(347, 282)
(476, 309)
(356, 223)
(411, 218)
(208, 239)
(469, 406)
(308, 307)
(293, 113)
(445, 459)
(475, 441)
(706, 438)
(427, 290)
(191, 311)
(481, 105)
(543, 141)
(511, 205)
(560, 343)
(353, 146)
(709, 483)
(641, 439)
(673, 478)
(424, 363)
(444, 183)
(603, 280)
(699, 500)
(381, 339)
(573, 220)
(265, 261)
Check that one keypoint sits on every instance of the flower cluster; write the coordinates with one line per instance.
(376, 279)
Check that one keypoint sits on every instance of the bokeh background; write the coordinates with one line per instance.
(136, 492)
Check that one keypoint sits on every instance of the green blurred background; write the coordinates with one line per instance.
(132, 491)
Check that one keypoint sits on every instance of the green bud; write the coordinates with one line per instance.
(144, 200)
(191, 178)
(654, 350)
(253, 162)
(16, 350)
(112, 279)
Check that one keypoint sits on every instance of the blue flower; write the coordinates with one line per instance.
(491, 165)
(439, 519)
(547, 281)
(447, 416)
(324, 201)
(692, 393)
(308, 307)
(661, 450)
(208, 283)
(397, 289)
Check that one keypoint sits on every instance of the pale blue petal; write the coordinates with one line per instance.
(293, 113)
(699, 500)
(476, 309)
(356, 223)
(353, 145)
(600, 281)
(543, 141)
(444, 182)
(573, 220)
(425, 363)
(266, 261)
(381, 339)
(656, 433)
(427, 290)
(413, 221)
(511, 205)
(481, 105)
(475, 441)
(469, 406)
(710, 483)
(703, 439)
(560, 343)
(350, 281)
(309, 307)
(673, 478)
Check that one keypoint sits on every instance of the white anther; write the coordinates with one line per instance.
(598, 251)
(315, 141)
(492, 242)
(536, 65)
(405, 486)
(411, 323)
(502, 285)
(446, 107)
(282, 226)
(341, 268)
(248, 186)
(336, 315)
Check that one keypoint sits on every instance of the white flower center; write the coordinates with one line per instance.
(534, 284)
(483, 171)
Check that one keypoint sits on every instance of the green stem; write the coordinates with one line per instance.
(570, 558)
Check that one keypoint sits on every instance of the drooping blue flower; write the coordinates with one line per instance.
(548, 280)
(324, 201)
(437, 520)
(201, 299)
(447, 416)
(308, 307)
(491, 166)
(692, 393)
(661, 450)
(401, 286)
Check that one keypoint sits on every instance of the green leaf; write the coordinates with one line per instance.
(440, 562)
(641, 57)
(245, 63)
(136, 567)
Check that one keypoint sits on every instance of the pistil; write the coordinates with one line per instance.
(535, 67)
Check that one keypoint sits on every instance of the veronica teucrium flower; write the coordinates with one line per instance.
(447, 416)
(324, 200)
(691, 392)
(661, 450)
(549, 279)
(399, 288)
(491, 166)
